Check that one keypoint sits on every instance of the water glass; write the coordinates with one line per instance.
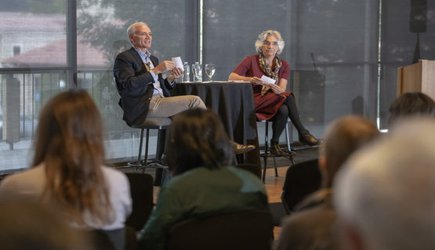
(210, 69)
(186, 72)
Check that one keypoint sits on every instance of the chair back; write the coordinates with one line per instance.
(130, 239)
(250, 230)
(253, 168)
(301, 180)
(141, 189)
(108, 239)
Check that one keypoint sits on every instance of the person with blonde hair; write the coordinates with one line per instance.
(272, 100)
(68, 170)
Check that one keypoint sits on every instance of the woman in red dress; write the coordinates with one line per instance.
(269, 75)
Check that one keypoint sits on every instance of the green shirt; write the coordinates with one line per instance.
(201, 192)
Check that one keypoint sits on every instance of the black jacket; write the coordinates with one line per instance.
(135, 85)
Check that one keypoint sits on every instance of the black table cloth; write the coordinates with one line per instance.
(234, 103)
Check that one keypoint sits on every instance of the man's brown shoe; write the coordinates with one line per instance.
(276, 150)
(308, 138)
(241, 148)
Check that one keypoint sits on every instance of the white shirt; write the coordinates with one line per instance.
(29, 185)
(145, 56)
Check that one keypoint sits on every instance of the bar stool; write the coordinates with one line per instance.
(150, 123)
(267, 154)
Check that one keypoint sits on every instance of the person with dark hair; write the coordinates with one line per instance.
(199, 154)
(411, 104)
(272, 101)
(311, 226)
(68, 169)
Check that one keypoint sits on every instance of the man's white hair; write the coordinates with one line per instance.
(387, 192)
(132, 28)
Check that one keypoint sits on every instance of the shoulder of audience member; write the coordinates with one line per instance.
(322, 197)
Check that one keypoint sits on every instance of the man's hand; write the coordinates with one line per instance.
(163, 67)
(175, 74)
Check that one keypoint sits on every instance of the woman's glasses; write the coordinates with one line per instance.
(267, 43)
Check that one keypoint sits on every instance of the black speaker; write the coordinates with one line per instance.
(418, 16)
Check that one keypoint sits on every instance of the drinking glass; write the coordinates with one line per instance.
(186, 72)
(210, 69)
(197, 72)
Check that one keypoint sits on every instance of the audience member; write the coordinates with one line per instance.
(68, 169)
(272, 101)
(312, 226)
(28, 225)
(385, 194)
(199, 154)
(411, 104)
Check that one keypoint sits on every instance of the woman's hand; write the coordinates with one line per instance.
(276, 89)
(256, 80)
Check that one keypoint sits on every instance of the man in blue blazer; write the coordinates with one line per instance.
(143, 90)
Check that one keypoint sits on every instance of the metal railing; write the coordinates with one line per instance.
(24, 92)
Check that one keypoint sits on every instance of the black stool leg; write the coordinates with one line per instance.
(161, 141)
(266, 154)
(146, 147)
(266, 151)
(276, 169)
(139, 155)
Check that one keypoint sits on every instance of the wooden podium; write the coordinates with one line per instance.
(417, 77)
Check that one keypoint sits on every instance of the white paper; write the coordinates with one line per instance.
(178, 63)
(267, 79)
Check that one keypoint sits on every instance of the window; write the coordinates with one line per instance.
(343, 54)
(17, 50)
